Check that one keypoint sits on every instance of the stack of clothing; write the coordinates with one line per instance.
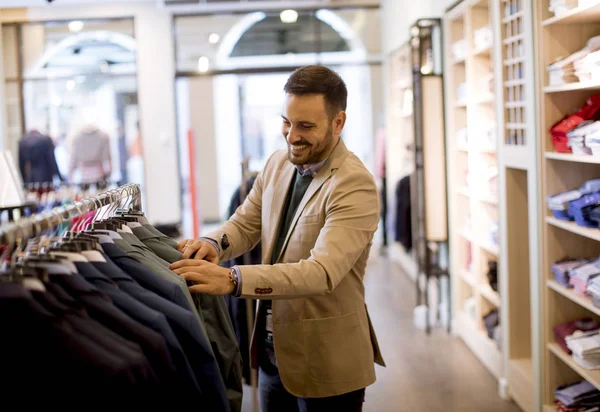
(491, 321)
(584, 137)
(581, 276)
(593, 290)
(580, 204)
(559, 131)
(579, 396)
(585, 347)
(580, 66)
(559, 7)
(492, 275)
(483, 38)
(587, 69)
(562, 270)
(564, 330)
(559, 203)
(580, 209)
(459, 50)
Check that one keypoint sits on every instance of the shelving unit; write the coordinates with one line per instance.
(518, 200)
(559, 37)
(472, 149)
(400, 139)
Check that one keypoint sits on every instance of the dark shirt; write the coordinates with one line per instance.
(294, 196)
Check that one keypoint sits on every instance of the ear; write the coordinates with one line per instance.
(338, 123)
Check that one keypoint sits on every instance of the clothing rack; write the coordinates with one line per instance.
(12, 234)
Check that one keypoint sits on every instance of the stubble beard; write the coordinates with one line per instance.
(315, 154)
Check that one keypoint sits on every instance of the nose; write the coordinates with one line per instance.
(292, 136)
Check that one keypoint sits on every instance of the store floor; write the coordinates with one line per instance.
(424, 373)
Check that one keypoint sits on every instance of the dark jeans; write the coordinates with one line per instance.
(274, 398)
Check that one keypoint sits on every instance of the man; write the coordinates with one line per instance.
(315, 209)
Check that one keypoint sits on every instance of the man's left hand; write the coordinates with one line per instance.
(209, 278)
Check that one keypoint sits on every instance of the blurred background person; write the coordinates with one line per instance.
(90, 155)
(37, 161)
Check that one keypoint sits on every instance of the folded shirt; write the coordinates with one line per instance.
(578, 393)
(562, 331)
(561, 201)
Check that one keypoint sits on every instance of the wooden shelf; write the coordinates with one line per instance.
(573, 296)
(489, 200)
(583, 14)
(487, 99)
(573, 227)
(482, 346)
(485, 51)
(490, 248)
(480, 106)
(570, 157)
(592, 377)
(463, 191)
(569, 87)
(492, 296)
(468, 278)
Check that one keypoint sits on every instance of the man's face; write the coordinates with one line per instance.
(307, 128)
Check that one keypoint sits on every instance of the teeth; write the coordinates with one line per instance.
(300, 147)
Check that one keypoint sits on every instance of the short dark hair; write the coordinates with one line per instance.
(319, 80)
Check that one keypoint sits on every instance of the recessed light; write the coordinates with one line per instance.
(203, 64)
(289, 16)
(214, 38)
(76, 26)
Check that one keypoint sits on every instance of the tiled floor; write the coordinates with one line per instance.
(424, 373)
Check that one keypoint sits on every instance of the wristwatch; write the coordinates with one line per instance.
(233, 278)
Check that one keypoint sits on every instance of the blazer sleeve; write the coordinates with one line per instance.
(352, 215)
(243, 229)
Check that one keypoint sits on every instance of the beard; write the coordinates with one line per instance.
(313, 153)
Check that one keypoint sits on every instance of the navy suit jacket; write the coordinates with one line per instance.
(62, 365)
(152, 343)
(183, 322)
(91, 294)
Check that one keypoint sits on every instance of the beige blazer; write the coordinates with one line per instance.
(324, 341)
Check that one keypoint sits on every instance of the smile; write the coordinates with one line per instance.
(296, 149)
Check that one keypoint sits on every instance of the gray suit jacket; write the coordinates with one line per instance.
(215, 315)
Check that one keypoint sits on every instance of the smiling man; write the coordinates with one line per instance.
(315, 209)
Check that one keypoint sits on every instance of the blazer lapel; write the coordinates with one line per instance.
(282, 185)
(335, 160)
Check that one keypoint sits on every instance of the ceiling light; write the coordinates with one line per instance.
(288, 16)
(203, 63)
(76, 26)
(213, 38)
(70, 84)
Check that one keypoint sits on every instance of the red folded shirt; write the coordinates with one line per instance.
(559, 130)
(567, 329)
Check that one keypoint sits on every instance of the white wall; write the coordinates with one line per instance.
(156, 73)
(398, 15)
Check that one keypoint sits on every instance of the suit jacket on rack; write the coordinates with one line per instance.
(324, 341)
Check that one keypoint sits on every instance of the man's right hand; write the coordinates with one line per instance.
(204, 250)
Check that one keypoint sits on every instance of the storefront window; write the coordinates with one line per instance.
(231, 69)
(75, 81)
